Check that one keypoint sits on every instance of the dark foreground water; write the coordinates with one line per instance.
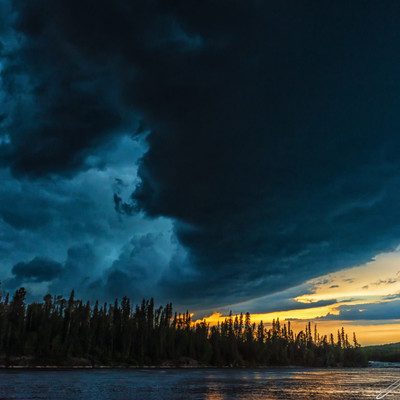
(209, 384)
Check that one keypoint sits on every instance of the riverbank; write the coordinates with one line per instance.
(25, 362)
(86, 363)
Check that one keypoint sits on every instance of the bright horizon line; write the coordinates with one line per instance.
(368, 332)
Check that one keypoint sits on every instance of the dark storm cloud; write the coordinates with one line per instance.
(274, 128)
(277, 144)
(37, 270)
(65, 78)
(74, 273)
(58, 104)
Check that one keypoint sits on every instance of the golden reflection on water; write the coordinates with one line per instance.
(328, 384)
(214, 396)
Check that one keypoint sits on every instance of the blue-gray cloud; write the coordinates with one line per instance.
(73, 223)
(37, 270)
(374, 311)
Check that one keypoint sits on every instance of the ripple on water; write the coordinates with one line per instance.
(212, 384)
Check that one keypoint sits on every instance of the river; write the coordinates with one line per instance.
(198, 384)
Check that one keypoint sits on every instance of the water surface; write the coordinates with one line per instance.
(199, 384)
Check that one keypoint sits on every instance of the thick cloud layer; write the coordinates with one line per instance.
(272, 132)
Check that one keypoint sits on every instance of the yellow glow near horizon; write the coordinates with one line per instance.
(373, 282)
(304, 314)
(366, 332)
(296, 314)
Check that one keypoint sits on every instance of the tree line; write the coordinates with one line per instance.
(57, 330)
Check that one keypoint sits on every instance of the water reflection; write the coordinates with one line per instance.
(214, 396)
(257, 384)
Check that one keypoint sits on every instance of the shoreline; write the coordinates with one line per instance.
(184, 363)
(2, 367)
(156, 367)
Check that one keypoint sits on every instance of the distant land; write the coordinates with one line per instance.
(385, 352)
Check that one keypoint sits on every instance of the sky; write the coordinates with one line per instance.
(222, 155)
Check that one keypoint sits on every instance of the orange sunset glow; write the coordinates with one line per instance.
(374, 283)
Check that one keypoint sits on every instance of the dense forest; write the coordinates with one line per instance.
(67, 332)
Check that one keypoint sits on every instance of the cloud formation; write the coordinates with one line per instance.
(271, 130)
(36, 270)
(374, 311)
